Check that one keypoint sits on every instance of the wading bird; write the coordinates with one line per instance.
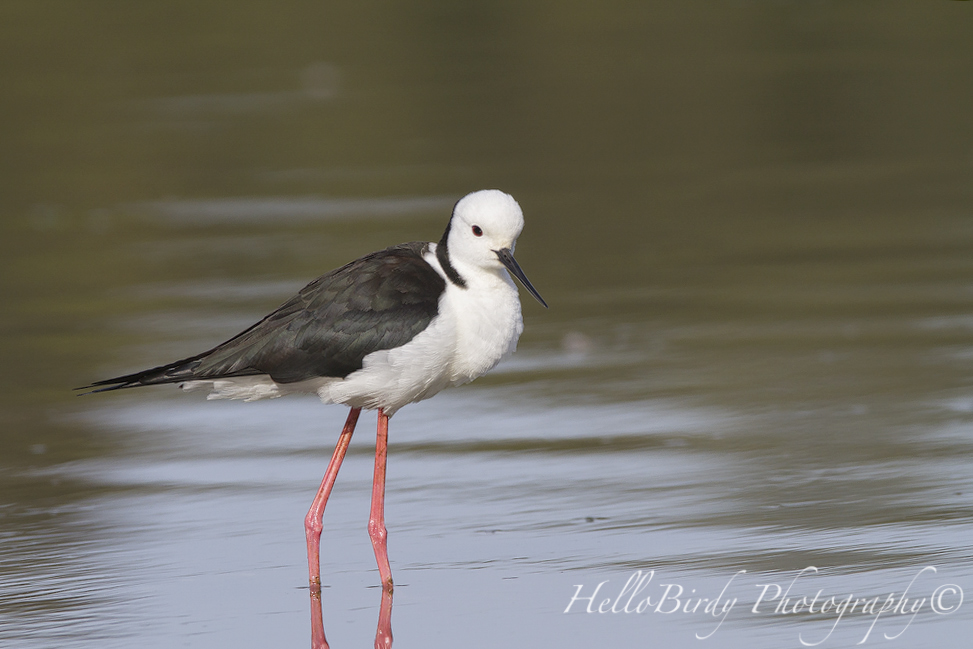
(388, 329)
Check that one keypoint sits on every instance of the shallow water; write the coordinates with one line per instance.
(753, 223)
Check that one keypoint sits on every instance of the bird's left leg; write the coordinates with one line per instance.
(379, 535)
(313, 524)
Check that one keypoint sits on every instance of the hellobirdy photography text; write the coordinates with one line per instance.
(805, 594)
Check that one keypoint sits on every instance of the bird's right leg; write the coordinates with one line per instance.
(313, 524)
(379, 535)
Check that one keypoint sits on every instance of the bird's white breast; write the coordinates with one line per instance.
(487, 323)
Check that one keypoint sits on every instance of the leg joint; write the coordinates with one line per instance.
(377, 531)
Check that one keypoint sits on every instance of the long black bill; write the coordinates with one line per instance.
(507, 259)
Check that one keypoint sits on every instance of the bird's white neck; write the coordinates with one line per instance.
(486, 313)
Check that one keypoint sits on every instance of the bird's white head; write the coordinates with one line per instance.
(483, 233)
(483, 222)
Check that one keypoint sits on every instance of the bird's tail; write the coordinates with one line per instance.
(176, 372)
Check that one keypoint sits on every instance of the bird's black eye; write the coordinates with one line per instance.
(477, 231)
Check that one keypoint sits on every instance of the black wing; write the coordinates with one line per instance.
(377, 302)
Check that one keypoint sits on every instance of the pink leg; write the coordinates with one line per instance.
(379, 535)
(313, 524)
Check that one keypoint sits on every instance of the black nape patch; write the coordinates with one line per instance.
(442, 254)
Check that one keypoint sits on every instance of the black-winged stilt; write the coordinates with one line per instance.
(388, 329)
